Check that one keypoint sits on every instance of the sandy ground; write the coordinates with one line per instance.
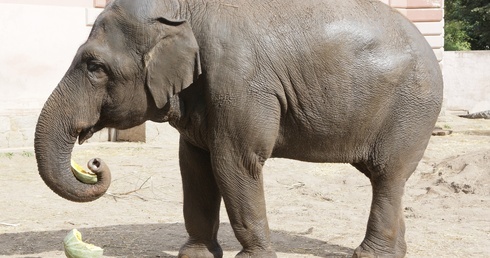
(314, 210)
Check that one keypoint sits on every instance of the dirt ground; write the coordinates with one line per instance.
(314, 210)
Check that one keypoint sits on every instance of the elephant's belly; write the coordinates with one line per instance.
(327, 148)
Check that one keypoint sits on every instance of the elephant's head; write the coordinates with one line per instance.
(136, 58)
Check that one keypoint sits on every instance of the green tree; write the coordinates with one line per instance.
(455, 36)
(480, 15)
(467, 25)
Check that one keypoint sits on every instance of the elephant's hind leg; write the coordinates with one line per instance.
(385, 235)
(392, 160)
(201, 203)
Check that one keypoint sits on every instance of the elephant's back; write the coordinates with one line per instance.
(285, 21)
(362, 37)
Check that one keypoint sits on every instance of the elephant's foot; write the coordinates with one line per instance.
(256, 254)
(200, 251)
(362, 252)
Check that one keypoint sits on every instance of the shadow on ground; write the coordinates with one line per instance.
(154, 240)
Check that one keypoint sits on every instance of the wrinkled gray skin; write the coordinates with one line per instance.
(347, 81)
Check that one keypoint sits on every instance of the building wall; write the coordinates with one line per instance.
(428, 16)
(38, 41)
(40, 37)
(467, 80)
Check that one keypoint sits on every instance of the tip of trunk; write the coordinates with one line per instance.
(64, 183)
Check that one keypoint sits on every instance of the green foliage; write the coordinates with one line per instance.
(467, 22)
(481, 28)
(455, 38)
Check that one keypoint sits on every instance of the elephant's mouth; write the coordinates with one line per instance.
(87, 133)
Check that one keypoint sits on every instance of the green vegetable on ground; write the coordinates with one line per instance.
(76, 248)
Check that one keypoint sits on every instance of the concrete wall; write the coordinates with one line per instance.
(38, 39)
(467, 80)
(37, 45)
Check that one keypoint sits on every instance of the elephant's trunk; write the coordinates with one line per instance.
(56, 132)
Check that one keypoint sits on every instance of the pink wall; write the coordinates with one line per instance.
(82, 3)
(428, 16)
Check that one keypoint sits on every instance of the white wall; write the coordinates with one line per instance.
(37, 44)
(467, 80)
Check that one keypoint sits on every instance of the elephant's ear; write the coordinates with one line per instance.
(173, 63)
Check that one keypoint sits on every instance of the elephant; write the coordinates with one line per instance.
(243, 81)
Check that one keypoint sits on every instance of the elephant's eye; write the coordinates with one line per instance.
(96, 72)
(94, 66)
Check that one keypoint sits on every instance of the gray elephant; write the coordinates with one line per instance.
(348, 81)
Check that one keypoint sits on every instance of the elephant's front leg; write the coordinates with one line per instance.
(201, 203)
(239, 176)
